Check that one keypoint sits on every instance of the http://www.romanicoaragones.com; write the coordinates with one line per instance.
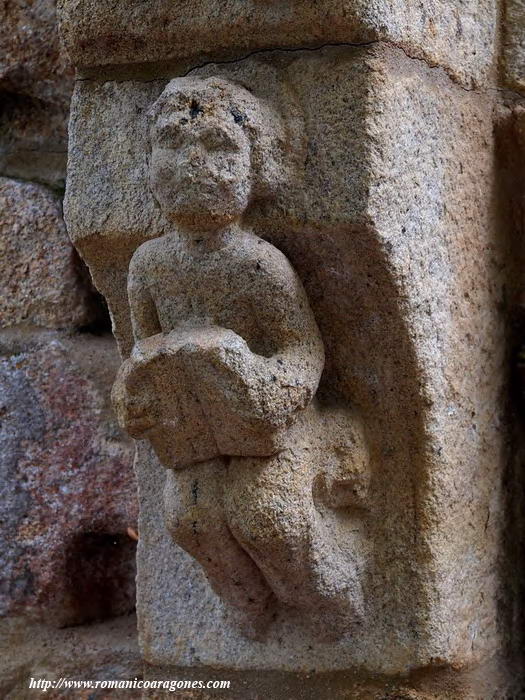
(44, 685)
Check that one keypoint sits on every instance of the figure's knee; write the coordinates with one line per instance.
(193, 517)
(173, 506)
(270, 516)
(181, 524)
(197, 529)
(254, 523)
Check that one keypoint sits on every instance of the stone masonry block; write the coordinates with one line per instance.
(41, 282)
(67, 485)
(391, 195)
(456, 35)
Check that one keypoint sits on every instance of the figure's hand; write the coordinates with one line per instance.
(212, 340)
(137, 420)
(131, 404)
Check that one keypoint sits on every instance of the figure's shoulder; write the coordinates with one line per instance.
(261, 255)
(143, 253)
(151, 253)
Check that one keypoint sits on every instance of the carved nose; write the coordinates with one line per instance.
(193, 154)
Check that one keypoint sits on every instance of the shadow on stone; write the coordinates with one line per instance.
(100, 576)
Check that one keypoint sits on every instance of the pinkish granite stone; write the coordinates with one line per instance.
(67, 486)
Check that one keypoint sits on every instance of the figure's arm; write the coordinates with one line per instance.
(132, 404)
(144, 317)
(289, 376)
(267, 385)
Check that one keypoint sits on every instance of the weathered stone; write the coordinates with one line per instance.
(33, 140)
(96, 652)
(92, 183)
(387, 221)
(433, 684)
(31, 61)
(109, 651)
(226, 363)
(41, 280)
(36, 81)
(67, 485)
(458, 36)
(514, 44)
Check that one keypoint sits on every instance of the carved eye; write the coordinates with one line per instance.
(168, 136)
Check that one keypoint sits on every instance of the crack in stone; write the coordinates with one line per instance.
(257, 52)
(286, 49)
(320, 47)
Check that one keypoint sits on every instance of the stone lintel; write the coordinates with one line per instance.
(174, 36)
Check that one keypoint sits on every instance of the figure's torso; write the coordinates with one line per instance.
(228, 287)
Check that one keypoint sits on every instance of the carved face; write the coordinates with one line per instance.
(200, 165)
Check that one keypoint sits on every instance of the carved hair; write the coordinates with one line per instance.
(259, 121)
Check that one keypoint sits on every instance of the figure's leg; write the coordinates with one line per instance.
(270, 510)
(194, 515)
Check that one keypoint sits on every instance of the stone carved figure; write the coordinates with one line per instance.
(225, 368)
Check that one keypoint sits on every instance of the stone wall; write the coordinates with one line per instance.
(399, 141)
(324, 387)
(66, 479)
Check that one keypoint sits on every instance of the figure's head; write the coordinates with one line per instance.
(203, 135)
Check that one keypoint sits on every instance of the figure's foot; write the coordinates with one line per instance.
(335, 624)
(329, 621)
(255, 621)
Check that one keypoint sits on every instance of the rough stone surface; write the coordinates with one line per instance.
(457, 35)
(110, 651)
(67, 485)
(91, 186)
(41, 281)
(32, 62)
(33, 140)
(388, 224)
(36, 81)
(514, 44)
(91, 652)
(227, 358)
(487, 682)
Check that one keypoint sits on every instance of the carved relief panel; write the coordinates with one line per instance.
(226, 363)
(272, 239)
